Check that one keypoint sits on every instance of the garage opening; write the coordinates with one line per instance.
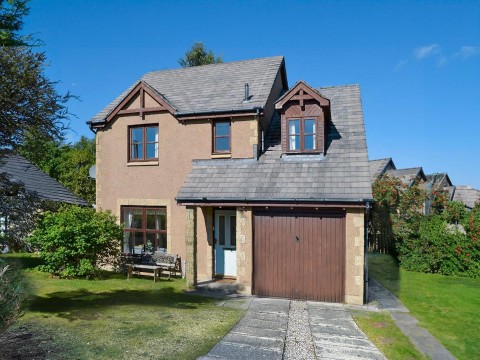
(299, 254)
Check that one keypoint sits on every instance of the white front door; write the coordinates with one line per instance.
(225, 242)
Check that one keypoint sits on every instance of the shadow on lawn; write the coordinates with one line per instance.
(84, 304)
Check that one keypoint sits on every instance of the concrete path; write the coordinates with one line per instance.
(284, 329)
(421, 338)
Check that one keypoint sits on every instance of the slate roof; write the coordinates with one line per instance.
(407, 176)
(209, 88)
(466, 195)
(35, 181)
(341, 175)
(378, 167)
(439, 180)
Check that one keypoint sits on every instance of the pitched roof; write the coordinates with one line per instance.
(378, 167)
(210, 88)
(35, 181)
(466, 195)
(407, 176)
(342, 174)
(439, 179)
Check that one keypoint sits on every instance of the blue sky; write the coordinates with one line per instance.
(417, 62)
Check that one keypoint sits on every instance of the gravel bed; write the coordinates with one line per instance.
(299, 343)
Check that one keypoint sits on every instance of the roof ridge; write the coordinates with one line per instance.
(339, 86)
(193, 68)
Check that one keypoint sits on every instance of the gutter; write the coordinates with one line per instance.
(186, 115)
(269, 201)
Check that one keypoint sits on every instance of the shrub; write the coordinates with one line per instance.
(440, 248)
(75, 241)
(14, 290)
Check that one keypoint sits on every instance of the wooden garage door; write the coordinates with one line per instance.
(299, 255)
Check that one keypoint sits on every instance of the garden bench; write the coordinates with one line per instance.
(158, 262)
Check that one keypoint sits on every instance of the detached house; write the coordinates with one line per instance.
(242, 176)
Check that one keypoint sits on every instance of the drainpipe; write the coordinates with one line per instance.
(365, 254)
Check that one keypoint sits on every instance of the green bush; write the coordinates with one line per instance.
(440, 248)
(76, 241)
(14, 290)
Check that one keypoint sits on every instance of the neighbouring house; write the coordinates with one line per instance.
(25, 176)
(379, 167)
(242, 176)
(467, 195)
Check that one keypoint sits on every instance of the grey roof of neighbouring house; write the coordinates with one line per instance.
(378, 168)
(20, 170)
(209, 88)
(407, 176)
(341, 175)
(466, 195)
(439, 179)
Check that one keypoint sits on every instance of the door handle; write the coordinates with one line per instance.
(297, 238)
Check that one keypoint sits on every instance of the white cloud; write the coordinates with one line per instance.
(426, 51)
(466, 52)
(401, 64)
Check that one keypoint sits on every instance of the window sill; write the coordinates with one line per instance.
(143, 163)
(221, 156)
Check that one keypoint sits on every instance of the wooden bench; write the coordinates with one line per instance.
(158, 262)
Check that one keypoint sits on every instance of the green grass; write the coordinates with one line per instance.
(386, 336)
(112, 318)
(447, 306)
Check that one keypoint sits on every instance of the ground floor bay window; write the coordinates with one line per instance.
(145, 229)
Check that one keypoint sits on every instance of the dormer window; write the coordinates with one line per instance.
(304, 113)
(302, 134)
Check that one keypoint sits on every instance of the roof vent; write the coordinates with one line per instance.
(247, 93)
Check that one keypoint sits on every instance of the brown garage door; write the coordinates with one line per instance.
(299, 255)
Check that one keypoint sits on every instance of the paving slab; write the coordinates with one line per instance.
(337, 336)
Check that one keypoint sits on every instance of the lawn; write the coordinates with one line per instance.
(387, 337)
(447, 306)
(115, 318)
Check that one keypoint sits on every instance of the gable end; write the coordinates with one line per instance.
(139, 101)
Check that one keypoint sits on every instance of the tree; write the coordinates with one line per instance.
(66, 163)
(198, 55)
(28, 100)
(73, 168)
(11, 22)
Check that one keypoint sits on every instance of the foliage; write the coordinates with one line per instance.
(11, 22)
(198, 55)
(14, 290)
(42, 151)
(28, 100)
(75, 241)
(472, 224)
(68, 164)
(74, 165)
(398, 209)
(440, 248)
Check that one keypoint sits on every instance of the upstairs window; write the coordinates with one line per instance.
(221, 137)
(143, 143)
(302, 134)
